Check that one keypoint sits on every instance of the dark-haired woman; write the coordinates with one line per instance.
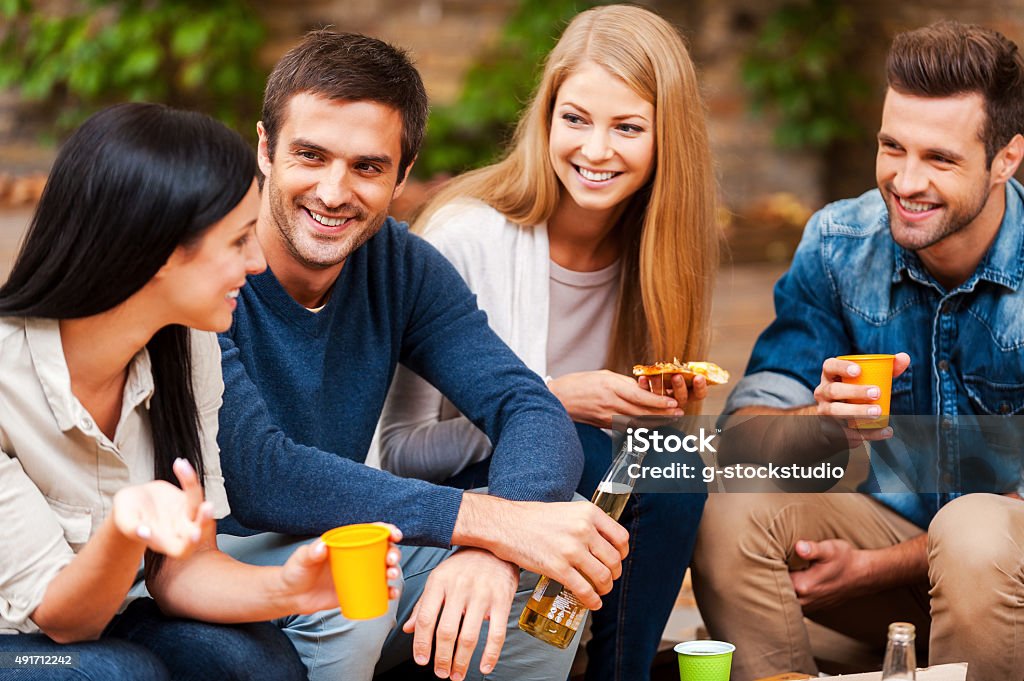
(109, 394)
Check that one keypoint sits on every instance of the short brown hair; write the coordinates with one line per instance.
(352, 67)
(948, 58)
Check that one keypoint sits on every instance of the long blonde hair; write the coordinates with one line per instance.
(671, 241)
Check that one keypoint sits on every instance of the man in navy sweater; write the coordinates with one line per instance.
(349, 294)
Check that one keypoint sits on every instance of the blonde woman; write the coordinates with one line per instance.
(592, 247)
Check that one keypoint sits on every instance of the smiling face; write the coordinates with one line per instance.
(602, 139)
(199, 284)
(931, 167)
(332, 177)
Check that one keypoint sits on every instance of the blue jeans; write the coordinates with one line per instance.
(662, 528)
(142, 644)
(334, 647)
(626, 631)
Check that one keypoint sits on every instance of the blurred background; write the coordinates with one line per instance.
(793, 90)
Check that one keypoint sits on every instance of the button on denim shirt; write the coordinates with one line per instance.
(852, 290)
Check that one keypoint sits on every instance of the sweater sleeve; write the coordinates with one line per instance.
(275, 484)
(537, 455)
(417, 437)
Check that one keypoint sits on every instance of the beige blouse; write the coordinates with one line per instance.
(59, 472)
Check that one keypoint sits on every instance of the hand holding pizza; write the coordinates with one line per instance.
(594, 397)
(675, 385)
(682, 380)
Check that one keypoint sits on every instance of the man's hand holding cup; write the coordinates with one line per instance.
(857, 388)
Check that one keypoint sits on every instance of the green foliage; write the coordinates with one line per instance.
(802, 66)
(187, 53)
(473, 131)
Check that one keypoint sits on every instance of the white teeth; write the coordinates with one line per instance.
(233, 294)
(914, 206)
(596, 177)
(326, 221)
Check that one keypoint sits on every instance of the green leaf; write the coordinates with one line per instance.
(10, 9)
(140, 63)
(86, 81)
(193, 75)
(802, 66)
(474, 130)
(191, 37)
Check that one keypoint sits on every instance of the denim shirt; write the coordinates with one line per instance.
(851, 290)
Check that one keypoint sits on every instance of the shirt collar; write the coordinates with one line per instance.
(903, 262)
(1003, 264)
(139, 387)
(47, 352)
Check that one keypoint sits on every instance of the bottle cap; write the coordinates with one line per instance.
(901, 631)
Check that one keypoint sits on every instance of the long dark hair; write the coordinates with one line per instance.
(128, 187)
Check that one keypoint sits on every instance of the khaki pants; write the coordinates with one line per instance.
(973, 598)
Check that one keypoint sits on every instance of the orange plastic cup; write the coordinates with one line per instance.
(358, 555)
(874, 370)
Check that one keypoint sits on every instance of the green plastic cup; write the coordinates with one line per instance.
(704, 660)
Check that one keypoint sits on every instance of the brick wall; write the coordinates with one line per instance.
(442, 35)
(445, 35)
(748, 161)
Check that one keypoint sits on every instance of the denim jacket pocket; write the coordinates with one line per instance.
(902, 400)
(996, 399)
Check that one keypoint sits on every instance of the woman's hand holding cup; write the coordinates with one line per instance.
(310, 582)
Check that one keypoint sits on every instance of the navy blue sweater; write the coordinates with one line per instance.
(303, 392)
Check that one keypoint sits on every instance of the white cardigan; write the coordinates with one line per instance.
(422, 434)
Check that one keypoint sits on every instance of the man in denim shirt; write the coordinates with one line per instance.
(929, 265)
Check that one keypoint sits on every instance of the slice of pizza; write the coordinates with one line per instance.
(714, 374)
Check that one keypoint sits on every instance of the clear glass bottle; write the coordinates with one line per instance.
(554, 614)
(900, 658)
